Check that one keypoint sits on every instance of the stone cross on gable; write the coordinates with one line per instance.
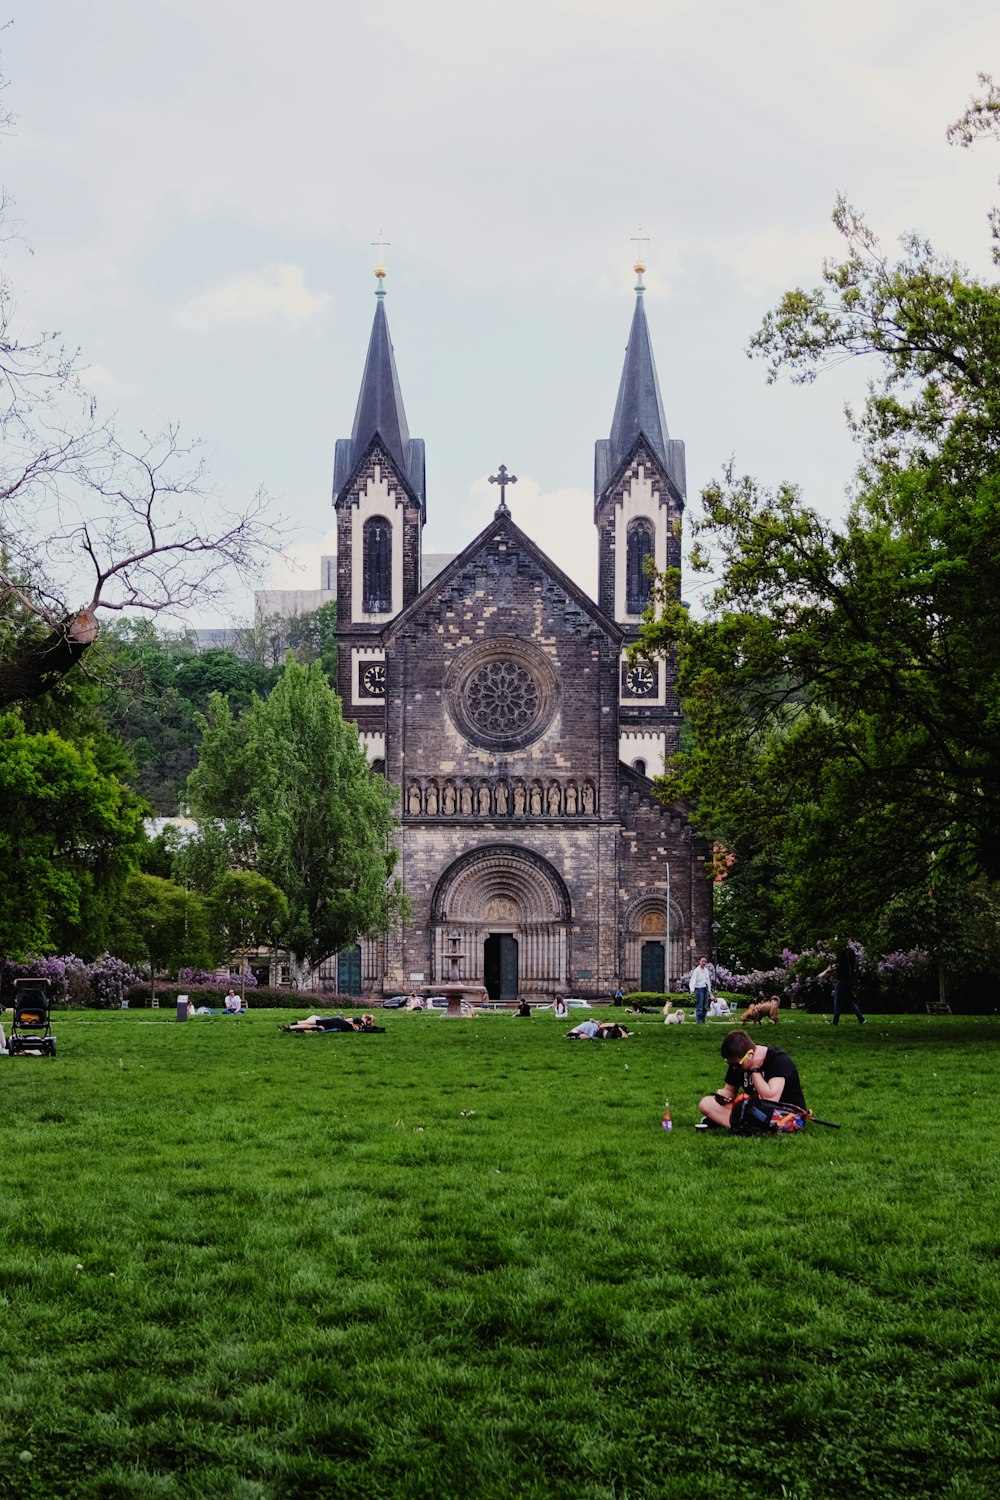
(503, 479)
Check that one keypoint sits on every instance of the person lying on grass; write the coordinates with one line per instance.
(594, 1031)
(766, 1072)
(334, 1023)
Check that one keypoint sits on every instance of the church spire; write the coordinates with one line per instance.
(380, 404)
(380, 411)
(639, 408)
(639, 481)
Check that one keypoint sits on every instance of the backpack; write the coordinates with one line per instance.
(753, 1116)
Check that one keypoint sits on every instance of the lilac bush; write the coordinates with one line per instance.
(110, 980)
(807, 978)
(53, 969)
(206, 979)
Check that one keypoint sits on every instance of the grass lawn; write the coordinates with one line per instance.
(463, 1261)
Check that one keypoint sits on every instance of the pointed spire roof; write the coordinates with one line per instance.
(638, 411)
(380, 412)
(380, 404)
(639, 408)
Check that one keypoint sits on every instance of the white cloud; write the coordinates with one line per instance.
(278, 294)
(298, 566)
(100, 382)
(561, 522)
(778, 258)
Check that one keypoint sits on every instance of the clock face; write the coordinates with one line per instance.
(640, 680)
(373, 679)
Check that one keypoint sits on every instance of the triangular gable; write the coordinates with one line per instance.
(651, 461)
(344, 487)
(503, 525)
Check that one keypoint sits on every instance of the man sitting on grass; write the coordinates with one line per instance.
(764, 1072)
(334, 1023)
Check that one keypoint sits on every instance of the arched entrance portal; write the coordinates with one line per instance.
(501, 916)
(654, 945)
(500, 966)
(653, 970)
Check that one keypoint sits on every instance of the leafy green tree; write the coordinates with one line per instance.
(162, 925)
(248, 912)
(154, 687)
(843, 690)
(69, 838)
(313, 637)
(290, 781)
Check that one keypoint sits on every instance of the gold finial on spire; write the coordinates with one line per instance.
(639, 240)
(380, 244)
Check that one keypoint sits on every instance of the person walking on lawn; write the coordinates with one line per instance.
(700, 985)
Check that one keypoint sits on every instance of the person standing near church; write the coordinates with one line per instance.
(700, 985)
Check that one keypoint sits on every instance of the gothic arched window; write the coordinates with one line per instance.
(377, 549)
(638, 583)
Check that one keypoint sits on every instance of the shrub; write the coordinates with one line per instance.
(211, 979)
(262, 998)
(110, 979)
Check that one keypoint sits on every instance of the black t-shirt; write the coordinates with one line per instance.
(777, 1064)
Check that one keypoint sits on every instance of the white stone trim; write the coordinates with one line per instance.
(640, 498)
(378, 498)
(650, 747)
(361, 654)
(373, 745)
(655, 700)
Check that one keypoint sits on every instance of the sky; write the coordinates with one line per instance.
(198, 186)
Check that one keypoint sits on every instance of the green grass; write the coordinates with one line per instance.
(463, 1261)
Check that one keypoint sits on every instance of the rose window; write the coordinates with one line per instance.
(502, 694)
(502, 698)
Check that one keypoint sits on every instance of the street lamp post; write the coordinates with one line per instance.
(666, 979)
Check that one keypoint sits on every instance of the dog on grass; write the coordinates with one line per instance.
(762, 1010)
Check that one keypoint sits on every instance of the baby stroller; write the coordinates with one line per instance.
(31, 1031)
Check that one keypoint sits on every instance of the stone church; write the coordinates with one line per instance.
(500, 699)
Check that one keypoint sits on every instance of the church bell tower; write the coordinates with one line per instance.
(378, 497)
(639, 496)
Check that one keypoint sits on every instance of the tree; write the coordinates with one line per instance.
(247, 912)
(162, 925)
(843, 690)
(132, 528)
(154, 687)
(313, 637)
(69, 837)
(87, 516)
(292, 786)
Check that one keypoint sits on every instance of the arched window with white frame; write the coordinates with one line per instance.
(376, 595)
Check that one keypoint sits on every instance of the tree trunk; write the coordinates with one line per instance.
(35, 669)
(940, 1006)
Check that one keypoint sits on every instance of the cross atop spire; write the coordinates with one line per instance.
(638, 241)
(503, 479)
(380, 271)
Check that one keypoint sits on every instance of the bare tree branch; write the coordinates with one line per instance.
(133, 523)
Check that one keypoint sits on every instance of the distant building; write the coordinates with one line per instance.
(500, 699)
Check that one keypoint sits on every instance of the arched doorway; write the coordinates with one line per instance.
(501, 916)
(654, 944)
(500, 966)
(653, 968)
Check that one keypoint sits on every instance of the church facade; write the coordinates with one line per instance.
(501, 701)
